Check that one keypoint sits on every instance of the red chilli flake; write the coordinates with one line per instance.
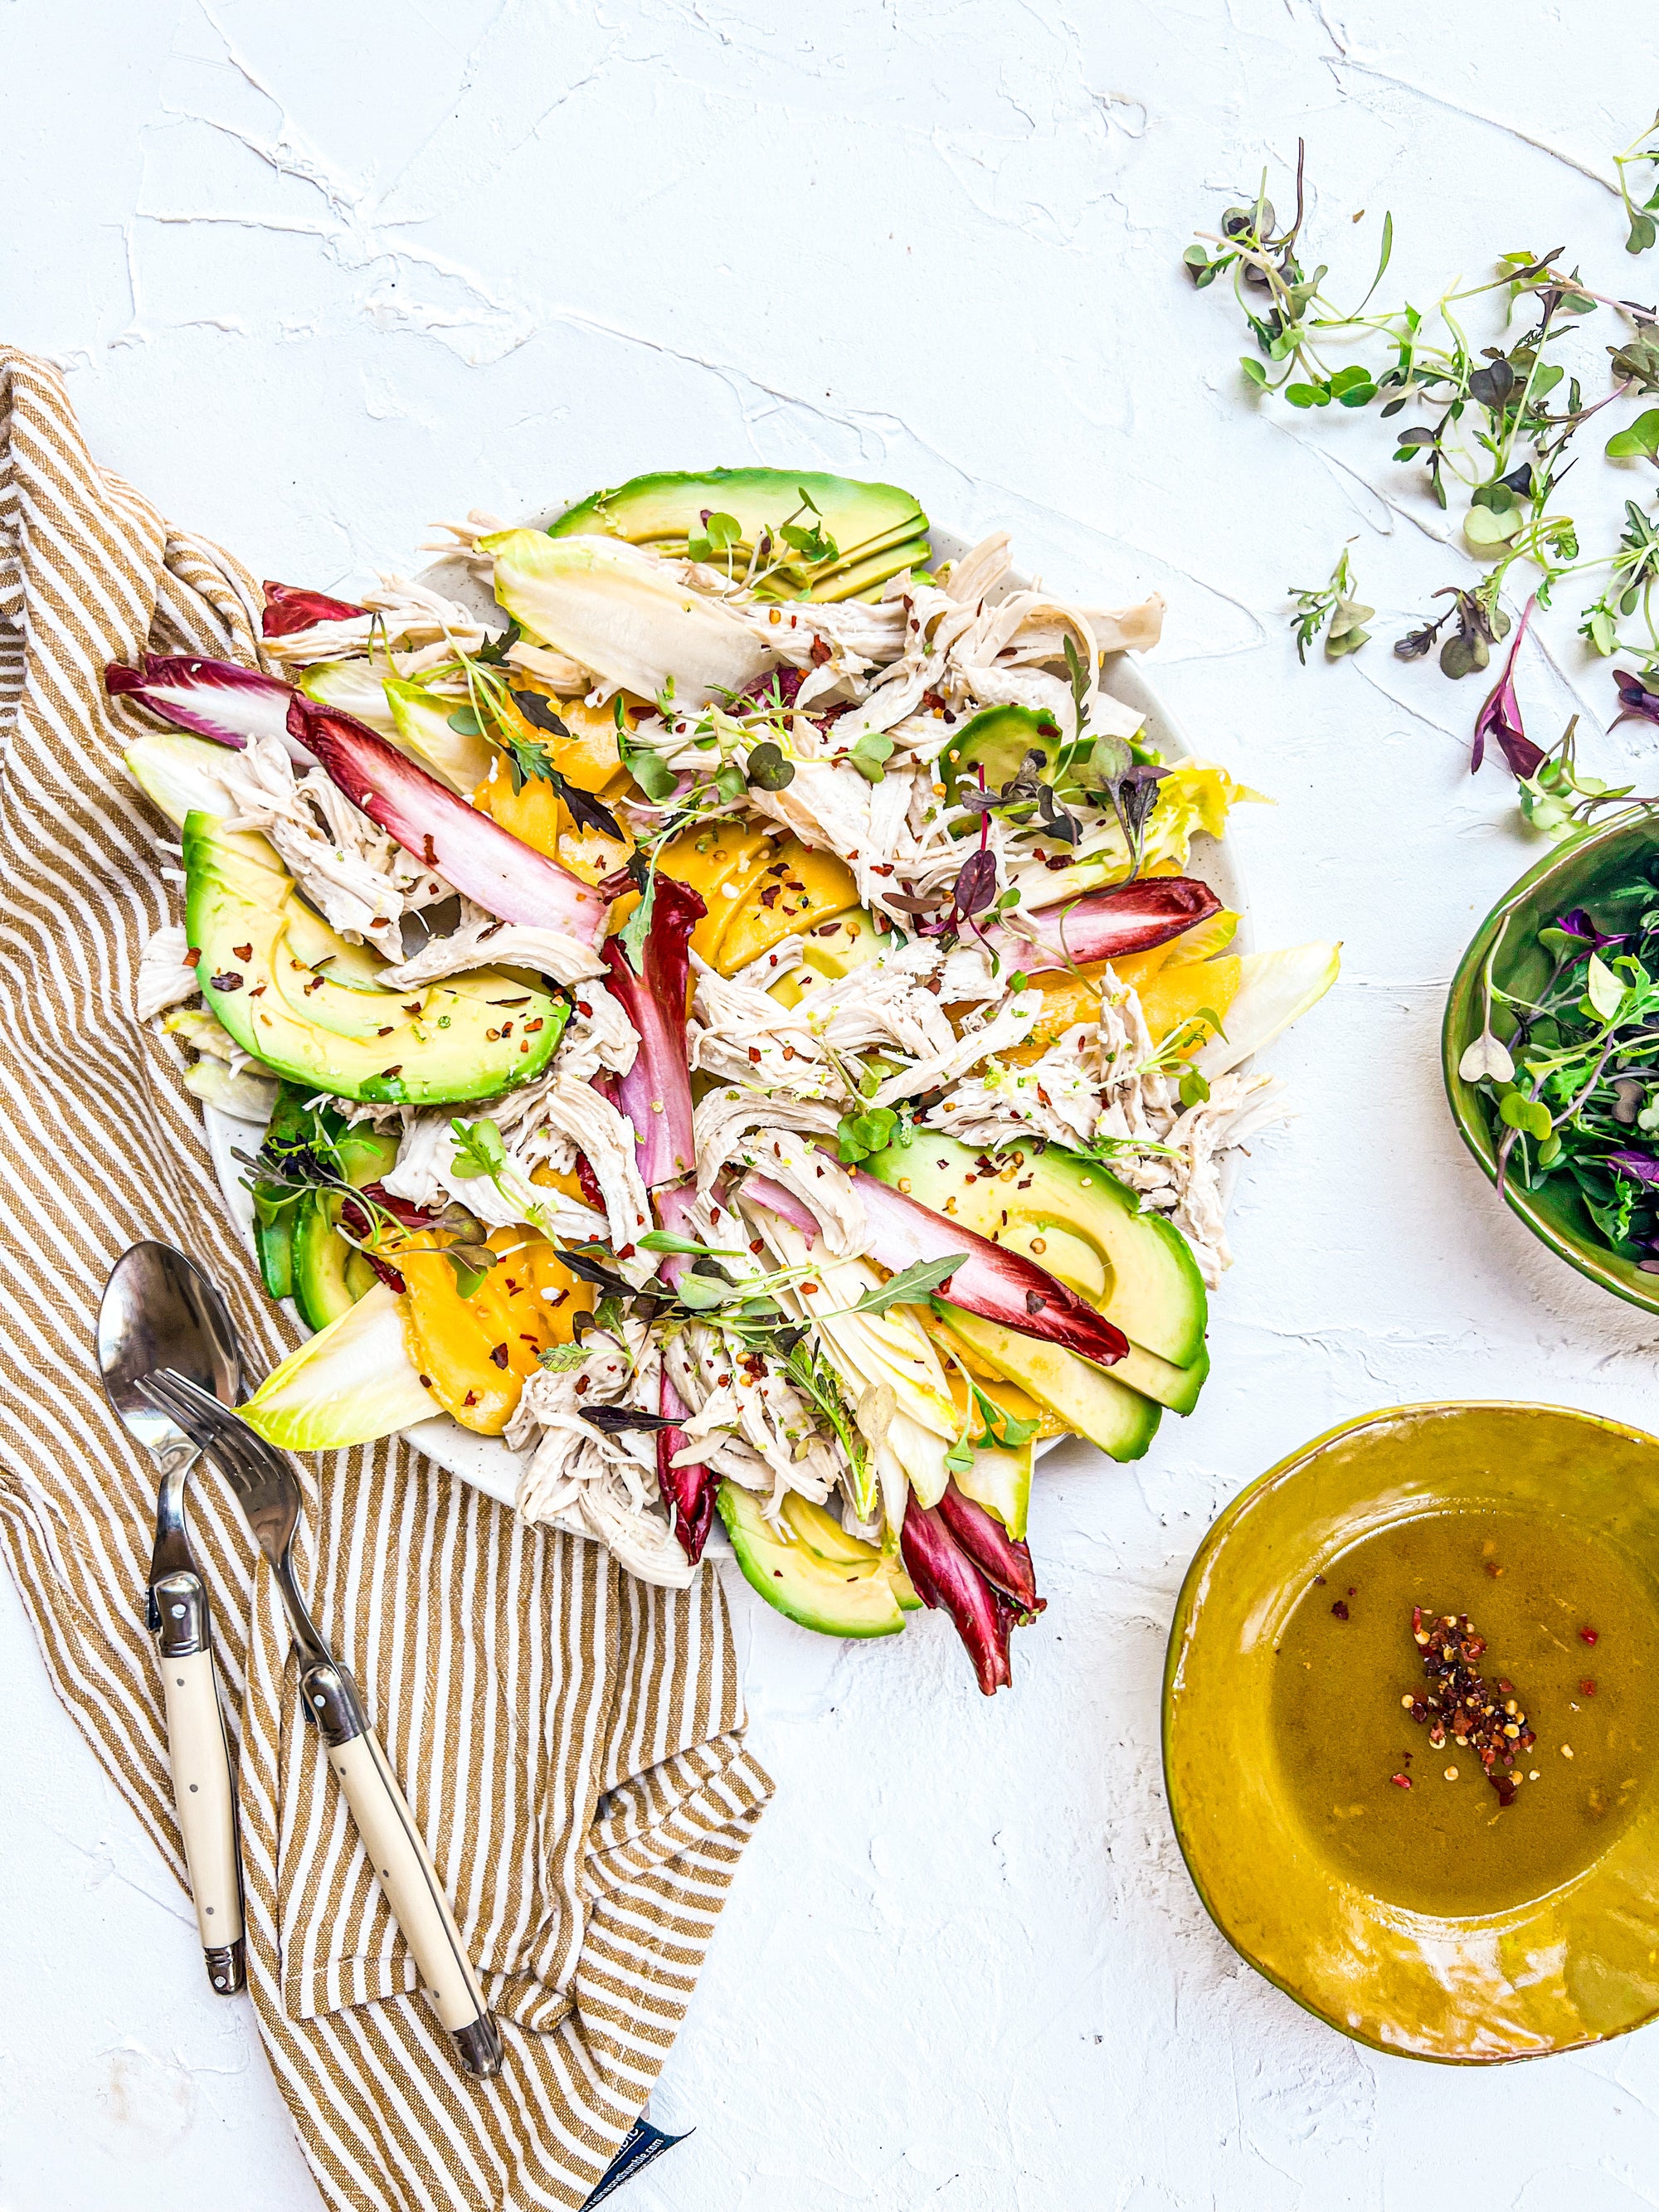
(1401, 1781)
(1340, 1608)
(1587, 1636)
(1588, 1686)
(1456, 1701)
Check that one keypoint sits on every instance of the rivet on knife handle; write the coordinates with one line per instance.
(397, 1853)
(200, 1759)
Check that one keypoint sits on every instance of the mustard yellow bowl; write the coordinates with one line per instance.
(1574, 1963)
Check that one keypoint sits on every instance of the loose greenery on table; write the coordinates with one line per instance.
(1492, 427)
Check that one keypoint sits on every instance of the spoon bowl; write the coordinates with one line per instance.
(159, 1311)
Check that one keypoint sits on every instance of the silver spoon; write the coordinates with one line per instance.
(159, 1310)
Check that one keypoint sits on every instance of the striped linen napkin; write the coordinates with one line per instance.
(570, 1741)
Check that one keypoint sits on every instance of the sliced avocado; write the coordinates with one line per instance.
(1000, 1481)
(274, 1213)
(1082, 1266)
(1147, 1280)
(320, 1254)
(997, 740)
(1086, 1398)
(833, 949)
(469, 1037)
(1176, 1387)
(835, 1597)
(822, 1532)
(365, 1155)
(879, 530)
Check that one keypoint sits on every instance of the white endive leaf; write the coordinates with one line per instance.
(1274, 989)
(353, 687)
(178, 775)
(623, 614)
(354, 1382)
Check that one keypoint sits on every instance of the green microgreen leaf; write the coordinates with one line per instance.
(911, 1287)
(871, 754)
(478, 1149)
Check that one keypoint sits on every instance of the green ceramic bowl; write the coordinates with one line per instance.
(1581, 873)
(1570, 1967)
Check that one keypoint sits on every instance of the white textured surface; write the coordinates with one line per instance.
(321, 273)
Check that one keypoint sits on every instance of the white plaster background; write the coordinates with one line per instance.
(320, 273)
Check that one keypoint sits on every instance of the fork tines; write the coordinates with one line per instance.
(203, 1419)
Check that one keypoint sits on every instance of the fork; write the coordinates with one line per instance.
(268, 1491)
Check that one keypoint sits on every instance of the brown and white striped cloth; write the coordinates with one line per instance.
(570, 1741)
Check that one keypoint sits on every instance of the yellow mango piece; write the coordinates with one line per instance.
(538, 816)
(475, 1354)
(1066, 1001)
(1179, 989)
(588, 756)
(797, 890)
(718, 860)
(532, 814)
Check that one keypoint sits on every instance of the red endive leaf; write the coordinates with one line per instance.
(1108, 924)
(947, 1579)
(784, 1203)
(655, 1094)
(495, 869)
(997, 1285)
(687, 1491)
(999, 1557)
(288, 609)
(217, 699)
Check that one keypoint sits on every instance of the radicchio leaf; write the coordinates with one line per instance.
(688, 1492)
(217, 699)
(997, 1285)
(945, 1578)
(1109, 924)
(290, 609)
(495, 869)
(999, 1557)
(1500, 715)
(655, 1094)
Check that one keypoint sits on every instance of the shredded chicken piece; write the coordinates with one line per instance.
(165, 977)
(598, 1036)
(361, 880)
(481, 941)
(605, 1485)
(401, 612)
(726, 1115)
(819, 1181)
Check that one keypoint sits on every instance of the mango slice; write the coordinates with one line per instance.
(476, 1353)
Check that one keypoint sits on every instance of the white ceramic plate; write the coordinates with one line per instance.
(486, 1461)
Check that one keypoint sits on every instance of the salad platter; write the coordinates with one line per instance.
(485, 1461)
(875, 1034)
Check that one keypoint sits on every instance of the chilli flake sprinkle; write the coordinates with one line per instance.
(1457, 1704)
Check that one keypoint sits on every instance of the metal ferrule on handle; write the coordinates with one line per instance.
(200, 1759)
(399, 1855)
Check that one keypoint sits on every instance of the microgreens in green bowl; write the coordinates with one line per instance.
(1550, 1051)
